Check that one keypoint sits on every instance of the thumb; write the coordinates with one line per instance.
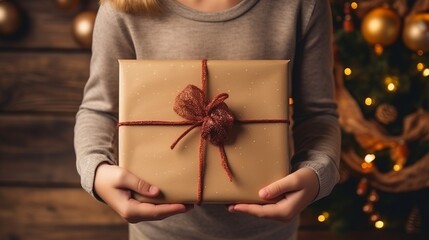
(286, 184)
(130, 181)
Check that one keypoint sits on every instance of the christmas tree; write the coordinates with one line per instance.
(382, 81)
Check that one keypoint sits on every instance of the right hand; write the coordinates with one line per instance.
(115, 186)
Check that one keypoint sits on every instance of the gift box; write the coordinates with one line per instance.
(213, 131)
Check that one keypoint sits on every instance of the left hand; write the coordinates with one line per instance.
(300, 189)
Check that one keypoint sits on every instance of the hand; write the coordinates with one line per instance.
(115, 186)
(300, 189)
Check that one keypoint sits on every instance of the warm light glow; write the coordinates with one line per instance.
(368, 208)
(368, 101)
(378, 49)
(3, 14)
(366, 165)
(425, 72)
(354, 5)
(420, 66)
(391, 87)
(369, 158)
(391, 83)
(347, 71)
(375, 217)
(379, 224)
(290, 101)
(420, 52)
(326, 214)
(323, 217)
(397, 167)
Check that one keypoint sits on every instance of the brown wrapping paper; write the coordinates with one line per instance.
(258, 153)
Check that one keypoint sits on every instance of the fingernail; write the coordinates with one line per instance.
(231, 208)
(153, 189)
(263, 193)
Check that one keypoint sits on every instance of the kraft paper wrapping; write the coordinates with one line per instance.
(258, 153)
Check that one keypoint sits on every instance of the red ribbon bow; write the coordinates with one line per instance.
(215, 119)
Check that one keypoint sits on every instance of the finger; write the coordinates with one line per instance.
(138, 211)
(284, 210)
(130, 181)
(287, 184)
(271, 211)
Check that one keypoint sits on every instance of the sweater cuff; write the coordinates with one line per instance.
(88, 173)
(325, 169)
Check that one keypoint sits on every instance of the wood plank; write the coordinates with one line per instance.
(49, 82)
(47, 26)
(26, 206)
(55, 213)
(105, 232)
(37, 150)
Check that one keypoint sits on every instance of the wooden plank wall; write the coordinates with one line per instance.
(41, 82)
(42, 76)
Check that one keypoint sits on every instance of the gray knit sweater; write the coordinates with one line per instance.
(299, 30)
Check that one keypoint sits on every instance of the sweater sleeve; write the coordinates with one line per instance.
(95, 128)
(316, 130)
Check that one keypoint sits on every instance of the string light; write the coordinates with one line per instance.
(323, 217)
(367, 164)
(420, 67)
(397, 167)
(420, 52)
(354, 5)
(425, 72)
(347, 71)
(369, 158)
(391, 83)
(375, 217)
(369, 101)
(290, 101)
(379, 224)
(378, 49)
(368, 208)
(391, 87)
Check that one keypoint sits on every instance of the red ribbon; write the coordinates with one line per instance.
(215, 120)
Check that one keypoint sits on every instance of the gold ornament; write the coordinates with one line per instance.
(386, 113)
(381, 26)
(416, 32)
(82, 28)
(68, 4)
(10, 18)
